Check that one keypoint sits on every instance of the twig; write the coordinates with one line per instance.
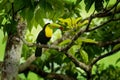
(90, 19)
(104, 13)
(66, 48)
(107, 43)
(75, 37)
(80, 32)
(74, 60)
(115, 5)
(96, 27)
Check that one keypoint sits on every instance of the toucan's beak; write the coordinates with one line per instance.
(54, 25)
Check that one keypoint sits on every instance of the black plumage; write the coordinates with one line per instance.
(41, 39)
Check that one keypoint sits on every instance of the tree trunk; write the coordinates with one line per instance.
(13, 54)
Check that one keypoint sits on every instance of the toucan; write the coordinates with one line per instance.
(45, 35)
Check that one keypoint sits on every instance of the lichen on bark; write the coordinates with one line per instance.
(13, 53)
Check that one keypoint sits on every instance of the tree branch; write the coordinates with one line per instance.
(40, 45)
(74, 60)
(64, 49)
(103, 56)
(67, 47)
(28, 62)
(85, 30)
(82, 31)
(83, 66)
(77, 62)
(90, 19)
(47, 75)
(115, 5)
(96, 27)
(73, 39)
(104, 13)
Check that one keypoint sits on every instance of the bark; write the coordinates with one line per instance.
(13, 54)
(46, 75)
(25, 65)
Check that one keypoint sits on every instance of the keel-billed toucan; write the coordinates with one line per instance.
(44, 36)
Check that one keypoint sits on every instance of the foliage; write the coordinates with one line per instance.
(110, 73)
(84, 39)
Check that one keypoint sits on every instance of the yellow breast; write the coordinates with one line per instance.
(48, 31)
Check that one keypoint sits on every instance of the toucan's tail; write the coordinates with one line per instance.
(38, 52)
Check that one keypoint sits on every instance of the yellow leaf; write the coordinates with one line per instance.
(83, 23)
(70, 22)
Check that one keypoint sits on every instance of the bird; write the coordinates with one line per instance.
(45, 35)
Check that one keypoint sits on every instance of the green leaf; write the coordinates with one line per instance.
(29, 25)
(88, 40)
(10, 28)
(78, 1)
(67, 60)
(11, 1)
(4, 39)
(74, 49)
(116, 46)
(55, 56)
(83, 23)
(65, 42)
(88, 4)
(8, 7)
(51, 9)
(2, 4)
(25, 51)
(118, 60)
(29, 13)
(45, 56)
(98, 5)
(39, 17)
(1, 21)
(57, 35)
(18, 4)
(107, 1)
(45, 7)
(32, 76)
(84, 55)
(35, 24)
